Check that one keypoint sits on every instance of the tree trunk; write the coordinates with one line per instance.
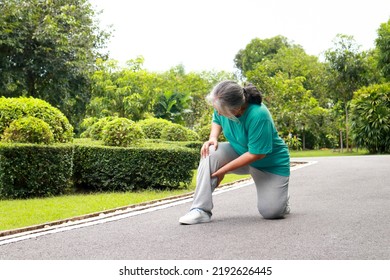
(31, 84)
(341, 141)
(346, 127)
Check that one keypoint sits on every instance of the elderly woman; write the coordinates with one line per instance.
(254, 147)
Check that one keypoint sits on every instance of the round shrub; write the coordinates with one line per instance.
(28, 130)
(95, 131)
(85, 126)
(122, 132)
(177, 132)
(152, 127)
(12, 109)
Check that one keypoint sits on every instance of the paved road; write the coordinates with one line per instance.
(340, 210)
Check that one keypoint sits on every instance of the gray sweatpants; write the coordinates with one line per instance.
(272, 189)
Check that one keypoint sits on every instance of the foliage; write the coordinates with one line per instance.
(95, 128)
(28, 130)
(348, 71)
(293, 107)
(177, 132)
(258, 50)
(126, 92)
(292, 83)
(370, 118)
(122, 132)
(47, 51)
(30, 170)
(383, 46)
(293, 142)
(15, 108)
(152, 127)
(172, 106)
(122, 169)
(137, 94)
(204, 133)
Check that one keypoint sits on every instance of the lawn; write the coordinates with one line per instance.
(22, 213)
(327, 153)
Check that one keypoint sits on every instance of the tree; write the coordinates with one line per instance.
(294, 62)
(383, 46)
(258, 50)
(48, 49)
(293, 88)
(370, 118)
(124, 92)
(348, 72)
(294, 108)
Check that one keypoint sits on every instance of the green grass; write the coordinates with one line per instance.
(327, 153)
(22, 213)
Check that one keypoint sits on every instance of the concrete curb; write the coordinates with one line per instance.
(14, 235)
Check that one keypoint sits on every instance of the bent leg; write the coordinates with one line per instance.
(205, 185)
(272, 193)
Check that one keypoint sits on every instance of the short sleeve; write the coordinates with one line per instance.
(216, 118)
(260, 137)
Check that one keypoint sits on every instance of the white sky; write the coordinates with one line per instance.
(207, 34)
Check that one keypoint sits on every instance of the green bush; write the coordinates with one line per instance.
(152, 127)
(102, 168)
(30, 170)
(204, 133)
(16, 108)
(28, 130)
(177, 132)
(122, 132)
(293, 142)
(370, 118)
(95, 130)
(85, 126)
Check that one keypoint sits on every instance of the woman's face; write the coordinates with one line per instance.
(226, 113)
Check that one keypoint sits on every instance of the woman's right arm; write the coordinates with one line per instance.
(216, 130)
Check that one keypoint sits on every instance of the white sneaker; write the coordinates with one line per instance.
(195, 216)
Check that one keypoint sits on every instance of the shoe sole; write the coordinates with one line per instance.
(195, 222)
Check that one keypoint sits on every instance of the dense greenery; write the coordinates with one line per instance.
(13, 109)
(32, 170)
(101, 168)
(53, 50)
(28, 130)
(28, 170)
(383, 47)
(371, 118)
(48, 50)
(122, 132)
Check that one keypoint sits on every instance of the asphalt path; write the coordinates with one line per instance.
(340, 209)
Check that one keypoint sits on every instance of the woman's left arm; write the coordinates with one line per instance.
(243, 160)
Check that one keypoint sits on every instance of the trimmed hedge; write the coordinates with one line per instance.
(101, 168)
(32, 170)
(35, 170)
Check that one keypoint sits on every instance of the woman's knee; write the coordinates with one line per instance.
(271, 212)
(222, 153)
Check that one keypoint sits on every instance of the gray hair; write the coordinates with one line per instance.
(227, 97)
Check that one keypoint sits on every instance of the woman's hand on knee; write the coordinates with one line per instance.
(205, 151)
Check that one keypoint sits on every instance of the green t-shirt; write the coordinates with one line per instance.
(255, 132)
